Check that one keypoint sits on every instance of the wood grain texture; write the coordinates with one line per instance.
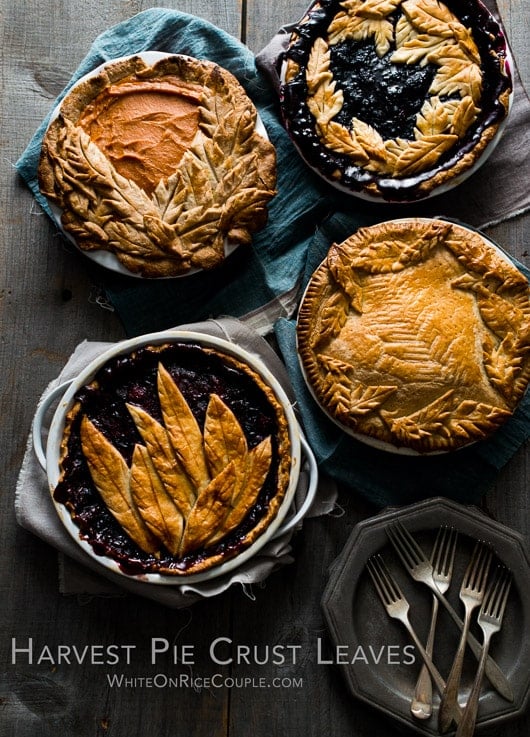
(49, 302)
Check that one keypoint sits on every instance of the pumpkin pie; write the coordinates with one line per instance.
(160, 164)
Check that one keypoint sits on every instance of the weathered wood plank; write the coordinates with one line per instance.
(48, 303)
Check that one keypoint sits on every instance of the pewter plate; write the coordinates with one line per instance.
(374, 652)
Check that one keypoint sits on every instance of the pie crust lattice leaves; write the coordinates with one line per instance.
(426, 32)
(186, 488)
(217, 194)
(429, 346)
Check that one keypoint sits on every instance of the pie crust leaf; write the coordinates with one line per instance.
(429, 16)
(340, 139)
(156, 507)
(464, 116)
(209, 509)
(165, 462)
(224, 440)
(340, 266)
(334, 315)
(253, 476)
(422, 154)
(110, 475)
(182, 430)
(457, 76)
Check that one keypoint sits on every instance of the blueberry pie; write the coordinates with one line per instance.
(174, 459)
(392, 99)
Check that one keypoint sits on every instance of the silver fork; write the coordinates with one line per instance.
(442, 559)
(471, 595)
(398, 607)
(420, 568)
(490, 621)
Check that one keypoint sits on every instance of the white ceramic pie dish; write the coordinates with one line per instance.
(48, 452)
(108, 259)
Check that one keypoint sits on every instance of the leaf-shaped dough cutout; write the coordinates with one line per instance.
(423, 153)
(224, 440)
(255, 472)
(167, 466)
(110, 475)
(209, 509)
(154, 504)
(182, 429)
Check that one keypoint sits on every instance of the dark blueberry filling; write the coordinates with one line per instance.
(391, 105)
(132, 379)
(385, 95)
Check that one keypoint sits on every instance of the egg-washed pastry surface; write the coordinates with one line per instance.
(174, 459)
(416, 333)
(393, 98)
(159, 164)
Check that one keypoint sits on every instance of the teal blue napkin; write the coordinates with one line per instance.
(262, 278)
(386, 478)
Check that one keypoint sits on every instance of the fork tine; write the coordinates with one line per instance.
(384, 582)
(495, 600)
(406, 547)
(444, 549)
(478, 567)
(482, 574)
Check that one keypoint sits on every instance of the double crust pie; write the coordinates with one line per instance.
(160, 164)
(415, 334)
(394, 99)
(174, 459)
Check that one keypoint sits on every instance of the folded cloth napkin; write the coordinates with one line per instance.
(387, 478)
(36, 513)
(262, 283)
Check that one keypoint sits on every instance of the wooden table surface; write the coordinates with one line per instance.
(47, 306)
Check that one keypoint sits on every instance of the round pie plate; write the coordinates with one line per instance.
(106, 258)
(509, 65)
(374, 442)
(361, 631)
(49, 456)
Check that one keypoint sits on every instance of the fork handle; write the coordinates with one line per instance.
(469, 718)
(495, 675)
(433, 670)
(450, 695)
(421, 704)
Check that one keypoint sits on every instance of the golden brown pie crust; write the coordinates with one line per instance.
(187, 488)
(427, 32)
(159, 164)
(416, 333)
